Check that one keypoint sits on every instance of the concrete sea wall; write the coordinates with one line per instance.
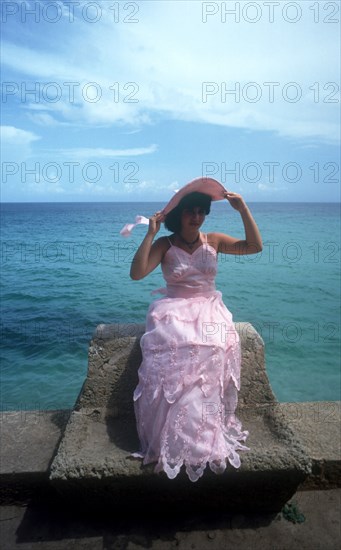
(84, 452)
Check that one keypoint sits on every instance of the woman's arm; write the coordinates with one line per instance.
(149, 254)
(252, 244)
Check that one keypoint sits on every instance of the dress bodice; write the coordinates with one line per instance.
(189, 274)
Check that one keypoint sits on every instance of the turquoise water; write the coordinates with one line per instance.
(65, 269)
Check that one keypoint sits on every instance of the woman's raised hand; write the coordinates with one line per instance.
(235, 200)
(155, 223)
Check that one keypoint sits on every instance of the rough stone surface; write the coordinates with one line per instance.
(94, 454)
(29, 440)
(318, 426)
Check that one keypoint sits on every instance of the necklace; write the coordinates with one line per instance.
(189, 244)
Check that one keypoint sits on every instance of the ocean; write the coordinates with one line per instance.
(65, 270)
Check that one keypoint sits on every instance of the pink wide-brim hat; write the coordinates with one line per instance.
(208, 186)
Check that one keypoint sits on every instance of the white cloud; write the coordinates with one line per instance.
(45, 119)
(16, 136)
(157, 66)
(85, 152)
(16, 144)
(270, 188)
(40, 187)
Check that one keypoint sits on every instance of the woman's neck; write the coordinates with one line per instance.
(189, 239)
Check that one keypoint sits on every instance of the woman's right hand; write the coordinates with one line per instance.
(155, 223)
(149, 254)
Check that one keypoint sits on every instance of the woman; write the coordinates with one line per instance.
(190, 374)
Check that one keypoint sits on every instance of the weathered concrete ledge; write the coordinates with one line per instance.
(86, 454)
(94, 456)
(317, 424)
(30, 439)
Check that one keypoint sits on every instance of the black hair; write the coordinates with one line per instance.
(173, 219)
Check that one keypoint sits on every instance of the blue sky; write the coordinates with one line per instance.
(127, 101)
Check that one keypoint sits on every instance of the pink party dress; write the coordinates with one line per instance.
(189, 377)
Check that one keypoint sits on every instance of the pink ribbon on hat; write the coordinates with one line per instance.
(127, 229)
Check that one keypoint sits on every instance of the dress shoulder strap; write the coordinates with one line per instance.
(205, 237)
(170, 242)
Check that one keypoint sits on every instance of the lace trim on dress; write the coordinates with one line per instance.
(205, 447)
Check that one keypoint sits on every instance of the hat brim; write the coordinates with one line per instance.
(208, 186)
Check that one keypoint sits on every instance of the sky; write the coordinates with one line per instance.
(128, 101)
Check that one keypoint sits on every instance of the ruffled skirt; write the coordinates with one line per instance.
(188, 386)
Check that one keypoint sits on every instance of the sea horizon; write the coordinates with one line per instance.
(158, 201)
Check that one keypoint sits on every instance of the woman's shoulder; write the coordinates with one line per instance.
(213, 239)
(164, 242)
(218, 240)
(213, 234)
(165, 239)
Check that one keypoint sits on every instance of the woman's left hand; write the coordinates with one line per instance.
(235, 200)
